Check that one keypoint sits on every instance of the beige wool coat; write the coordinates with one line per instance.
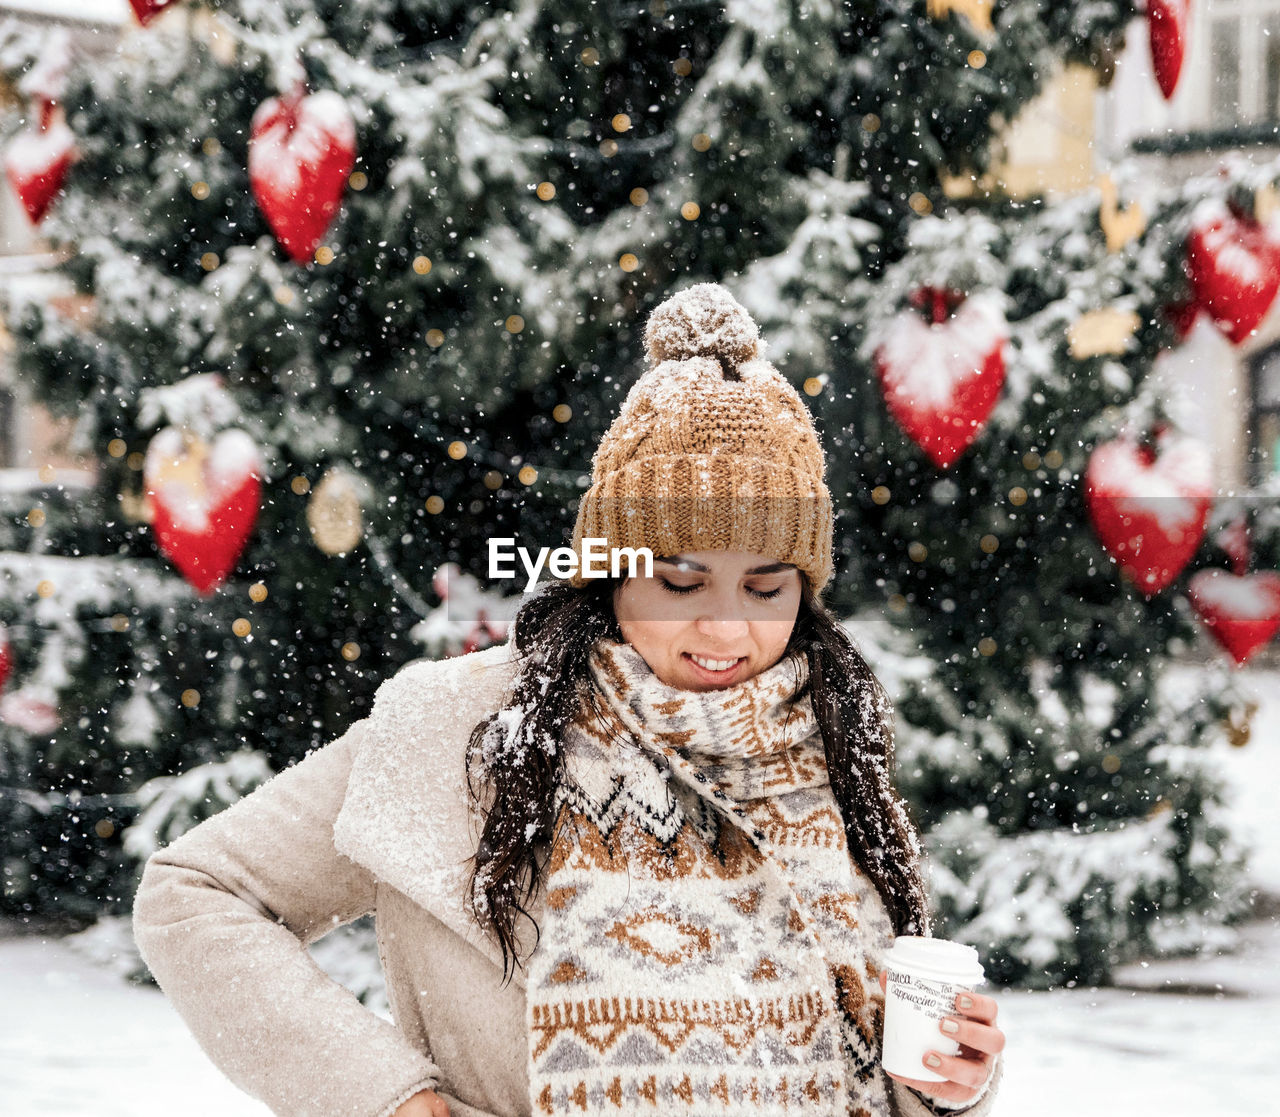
(377, 821)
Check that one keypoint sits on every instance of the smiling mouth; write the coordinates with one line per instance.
(733, 664)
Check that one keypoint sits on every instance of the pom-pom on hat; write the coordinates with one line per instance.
(712, 450)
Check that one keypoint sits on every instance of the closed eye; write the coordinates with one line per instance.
(763, 595)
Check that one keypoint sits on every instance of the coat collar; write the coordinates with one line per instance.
(406, 814)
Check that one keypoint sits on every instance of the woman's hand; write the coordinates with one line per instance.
(425, 1103)
(979, 1040)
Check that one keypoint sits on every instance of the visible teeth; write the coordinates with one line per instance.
(713, 664)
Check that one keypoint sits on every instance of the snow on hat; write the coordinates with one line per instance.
(712, 450)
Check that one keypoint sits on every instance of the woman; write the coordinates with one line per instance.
(645, 857)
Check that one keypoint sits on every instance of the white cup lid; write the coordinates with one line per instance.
(940, 955)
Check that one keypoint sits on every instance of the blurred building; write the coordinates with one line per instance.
(1227, 102)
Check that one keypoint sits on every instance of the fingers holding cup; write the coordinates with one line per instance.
(949, 1091)
(969, 1073)
(976, 1006)
(973, 1035)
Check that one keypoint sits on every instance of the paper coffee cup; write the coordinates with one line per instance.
(924, 976)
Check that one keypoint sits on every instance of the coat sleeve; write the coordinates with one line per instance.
(222, 917)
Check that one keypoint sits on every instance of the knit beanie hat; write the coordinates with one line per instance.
(712, 450)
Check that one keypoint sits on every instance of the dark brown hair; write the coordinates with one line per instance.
(514, 759)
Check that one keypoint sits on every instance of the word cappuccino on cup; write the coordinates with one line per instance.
(922, 980)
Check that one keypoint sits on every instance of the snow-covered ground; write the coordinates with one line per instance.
(1174, 1038)
(76, 1040)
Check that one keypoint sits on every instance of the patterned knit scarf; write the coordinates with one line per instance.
(708, 944)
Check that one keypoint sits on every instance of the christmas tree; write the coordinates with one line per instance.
(368, 284)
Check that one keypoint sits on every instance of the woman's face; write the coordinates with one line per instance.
(715, 605)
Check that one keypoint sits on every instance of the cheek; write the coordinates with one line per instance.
(639, 619)
(776, 639)
(646, 605)
(632, 605)
(775, 632)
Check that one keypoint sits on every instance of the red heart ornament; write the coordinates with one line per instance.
(147, 10)
(6, 658)
(37, 160)
(31, 710)
(1234, 268)
(1148, 507)
(301, 151)
(1240, 611)
(941, 379)
(204, 501)
(1168, 22)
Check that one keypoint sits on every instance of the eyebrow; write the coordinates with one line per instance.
(771, 568)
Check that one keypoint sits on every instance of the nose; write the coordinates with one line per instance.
(722, 629)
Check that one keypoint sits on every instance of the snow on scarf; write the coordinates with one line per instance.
(708, 944)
